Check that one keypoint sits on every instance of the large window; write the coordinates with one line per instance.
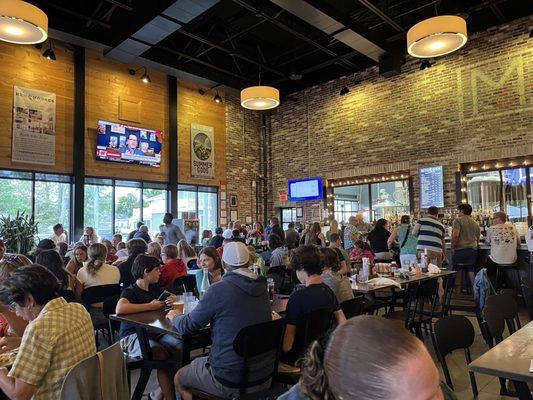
(46, 197)
(98, 209)
(390, 200)
(199, 202)
(374, 200)
(52, 204)
(116, 205)
(350, 200)
(504, 189)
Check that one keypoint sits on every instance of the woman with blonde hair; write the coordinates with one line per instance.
(333, 228)
(96, 272)
(186, 253)
(155, 250)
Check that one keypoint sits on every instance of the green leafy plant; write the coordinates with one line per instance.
(18, 233)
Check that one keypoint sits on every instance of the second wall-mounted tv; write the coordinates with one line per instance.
(128, 144)
(305, 189)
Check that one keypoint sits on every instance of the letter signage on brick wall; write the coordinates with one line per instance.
(202, 151)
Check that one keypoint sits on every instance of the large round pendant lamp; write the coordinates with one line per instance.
(260, 97)
(22, 23)
(436, 36)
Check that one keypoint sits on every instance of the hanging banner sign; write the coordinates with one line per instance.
(202, 151)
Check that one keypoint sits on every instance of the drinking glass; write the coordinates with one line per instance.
(270, 287)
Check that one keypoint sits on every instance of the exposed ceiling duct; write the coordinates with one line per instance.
(327, 24)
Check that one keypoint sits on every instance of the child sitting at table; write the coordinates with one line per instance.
(173, 267)
(143, 296)
(362, 250)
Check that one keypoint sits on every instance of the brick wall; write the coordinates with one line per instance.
(243, 157)
(474, 105)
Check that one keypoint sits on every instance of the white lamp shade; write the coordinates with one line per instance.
(436, 36)
(22, 23)
(260, 97)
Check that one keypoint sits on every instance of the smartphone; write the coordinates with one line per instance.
(163, 296)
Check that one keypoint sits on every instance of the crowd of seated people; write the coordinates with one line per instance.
(38, 292)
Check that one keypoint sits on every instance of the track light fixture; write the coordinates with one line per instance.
(145, 78)
(344, 90)
(49, 53)
(217, 98)
(425, 64)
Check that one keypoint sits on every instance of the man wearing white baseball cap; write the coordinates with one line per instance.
(239, 300)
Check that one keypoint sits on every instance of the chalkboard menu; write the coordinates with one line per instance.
(431, 187)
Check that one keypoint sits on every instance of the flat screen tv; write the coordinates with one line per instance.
(305, 189)
(128, 144)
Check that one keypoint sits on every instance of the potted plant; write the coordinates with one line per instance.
(18, 233)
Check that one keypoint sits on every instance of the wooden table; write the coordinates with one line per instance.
(156, 321)
(366, 288)
(510, 360)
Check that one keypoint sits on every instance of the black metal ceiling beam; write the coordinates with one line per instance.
(224, 49)
(353, 25)
(496, 11)
(284, 27)
(78, 15)
(405, 13)
(381, 15)
(120, 5)
(196, 60)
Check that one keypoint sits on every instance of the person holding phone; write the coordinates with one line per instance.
(146, 295)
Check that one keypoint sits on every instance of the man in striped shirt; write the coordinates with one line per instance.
(430, 233)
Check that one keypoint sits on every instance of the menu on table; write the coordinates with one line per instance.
(431, 187)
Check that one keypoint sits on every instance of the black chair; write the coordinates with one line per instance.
(353, 307)
(186, 281)
(98, 294)
(452, 333)
(311, 327)
(506, 306)
(108, 308)
(494, 319)
(527, 292)
(259, 345)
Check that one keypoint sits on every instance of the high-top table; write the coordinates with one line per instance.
(366, 288)
(510, 359)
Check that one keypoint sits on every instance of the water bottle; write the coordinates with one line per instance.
(365, 269)
(423, 261)
(205, 282)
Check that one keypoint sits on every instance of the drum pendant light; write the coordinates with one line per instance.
(22, 23)
(260, 98)
(436, 36)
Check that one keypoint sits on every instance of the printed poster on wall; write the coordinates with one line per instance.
(202, 151)
(34, 126)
